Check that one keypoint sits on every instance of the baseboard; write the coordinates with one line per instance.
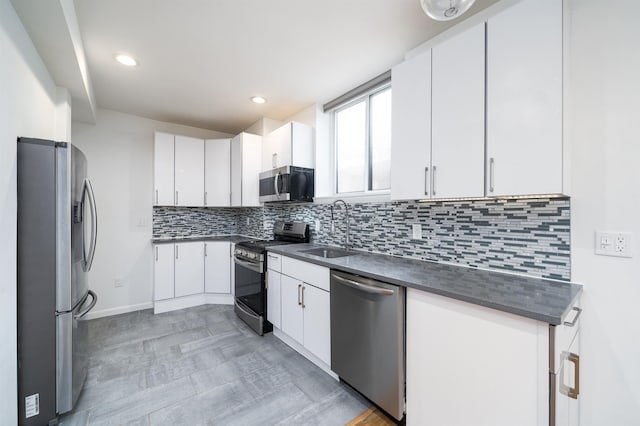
(304, 352)
(119, 310)
(160, 306)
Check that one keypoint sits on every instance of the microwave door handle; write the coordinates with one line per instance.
(275, 185)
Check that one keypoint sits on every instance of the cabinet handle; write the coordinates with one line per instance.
(176, 252)
(303, 297)
(571, 392)
(156, 253)
(491, 174)
(205, 249)
(156, 196)
(433, 181)
(176, 198)
(274, 160)
(426, 181)
(205, 198)
(299, 297)
(575, 319)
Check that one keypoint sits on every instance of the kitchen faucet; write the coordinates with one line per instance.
(346, 219)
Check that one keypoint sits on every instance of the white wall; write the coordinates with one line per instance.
(604, 120)
(27, 108)
(119, 150)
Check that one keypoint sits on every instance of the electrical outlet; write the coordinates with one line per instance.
(416, 229)
(317, 225)
(119, 282)
(613, 244)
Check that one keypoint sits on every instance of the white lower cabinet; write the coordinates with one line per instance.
(303, 310)
(292, 313)
(317, 322)
(163, 271)
(189, 269)
(217, 267)
(191, 274)
(467, 364)
(274, 296)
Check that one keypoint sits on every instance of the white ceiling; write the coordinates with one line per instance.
(201, 60)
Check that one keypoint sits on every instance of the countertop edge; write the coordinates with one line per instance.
(223, 237)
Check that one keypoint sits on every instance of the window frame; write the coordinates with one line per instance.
(368, 179)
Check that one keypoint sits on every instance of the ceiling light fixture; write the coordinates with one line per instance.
(445, 10)
(125, 59)
(258, 99)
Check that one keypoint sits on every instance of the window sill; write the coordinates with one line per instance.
(356, 197)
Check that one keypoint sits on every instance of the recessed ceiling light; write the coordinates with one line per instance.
(125, 59)
(258, 99)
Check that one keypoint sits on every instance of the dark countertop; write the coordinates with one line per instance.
(230, 238)
(540, 299)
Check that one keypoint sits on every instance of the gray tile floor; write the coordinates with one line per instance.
(202, 366)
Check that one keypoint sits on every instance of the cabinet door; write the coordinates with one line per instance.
(273, 298)
(163, 169)
(251, 158)
(189, 269)
(457, 144)
(292, 314)
(497, 363)
(236, 171)
(302, 146)
(189, 171)
(317, 321)
(277, 148)
(217, 172)
(411, 128)
(163, 272)
(524, 99)
(217, 267)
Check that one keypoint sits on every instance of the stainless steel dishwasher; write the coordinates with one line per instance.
(367, 338)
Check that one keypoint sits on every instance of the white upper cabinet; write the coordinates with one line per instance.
(246, 154)
(457, 144)
(411, 128)
(289, 145)
(163, 169)
(217, 172)
(189, 160)
(524, 99)
(217, 267)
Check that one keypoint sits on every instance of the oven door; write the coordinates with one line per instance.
(249, 285)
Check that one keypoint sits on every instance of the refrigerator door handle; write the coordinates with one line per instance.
(94, 300)
(88, 190)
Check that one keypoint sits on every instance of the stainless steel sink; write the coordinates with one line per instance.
(329, 253)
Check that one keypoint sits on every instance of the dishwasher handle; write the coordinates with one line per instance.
(363, 287)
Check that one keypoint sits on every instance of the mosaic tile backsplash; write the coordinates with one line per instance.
(524, 236)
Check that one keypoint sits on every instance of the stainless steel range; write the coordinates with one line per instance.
(250, 267)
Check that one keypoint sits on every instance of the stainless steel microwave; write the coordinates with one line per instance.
(287, 184)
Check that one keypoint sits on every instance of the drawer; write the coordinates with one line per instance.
(274, 261)
(309, 273)
(565, 333)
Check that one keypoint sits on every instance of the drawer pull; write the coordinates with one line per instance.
(575, 319)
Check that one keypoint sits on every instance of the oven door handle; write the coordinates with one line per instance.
(246, 310)
(251, 266)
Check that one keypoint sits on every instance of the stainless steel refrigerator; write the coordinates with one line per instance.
(57, 228)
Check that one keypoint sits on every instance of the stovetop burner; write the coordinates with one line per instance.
(283, 233)
(261, 245)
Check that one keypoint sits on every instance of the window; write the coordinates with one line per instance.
(363, 143)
